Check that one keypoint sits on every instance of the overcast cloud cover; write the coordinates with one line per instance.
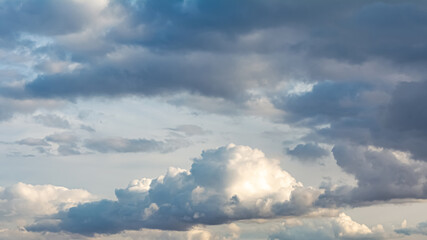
(96, 93)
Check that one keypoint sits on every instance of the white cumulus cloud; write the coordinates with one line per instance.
(223, 185)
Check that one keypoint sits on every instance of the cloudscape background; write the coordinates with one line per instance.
(213, 119)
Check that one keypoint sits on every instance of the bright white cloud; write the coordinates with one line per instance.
(224, 185)
(26, 200)
(21, 204)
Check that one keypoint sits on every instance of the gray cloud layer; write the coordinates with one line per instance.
(70, 144)
(52, 120)
(307, 152)
(363, 113)
(105, 145)
(200, 46)
(225, 49)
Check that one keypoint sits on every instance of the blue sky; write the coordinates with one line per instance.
(213, 119)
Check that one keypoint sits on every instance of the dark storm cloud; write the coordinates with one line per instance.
(214, 25)
(407, 109)
(309, 152)
(404, 120)
(350, 30)
(363, 114)
(224, 33)
(328, 101)
(381, 176)
(145, 73)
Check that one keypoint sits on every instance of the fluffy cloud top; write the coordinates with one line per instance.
(226, 184)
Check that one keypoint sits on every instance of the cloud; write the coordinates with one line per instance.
(381, 174)
(67, 143)
(9, 107)
(87, 128)
(124, 145)
(308, 152)
(331, 29)
(158, 49)
(118, 74)
(404, 119)
(341, 227)
(326, 102)
(53, 18)
(33, 142)
(25, 200)
(420, 229)
(364, 59)
(22, 204)
(64, 143)
(362, 114)
(224, 185)
(229, 232)
(52, 120)
(190, 130)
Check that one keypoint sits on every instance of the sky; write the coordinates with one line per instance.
(213, 119)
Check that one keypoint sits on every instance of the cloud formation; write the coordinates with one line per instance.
(33, 142)
(420, 229)
(68, 143)
(381, 174)
(226, 54)
(25, 200)
(52, 120)
(363, 60)
(308, 152)
(9, 107)
(189, 130)
(224, 185)
(341, 227)
(362, 114)
(105, 145)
